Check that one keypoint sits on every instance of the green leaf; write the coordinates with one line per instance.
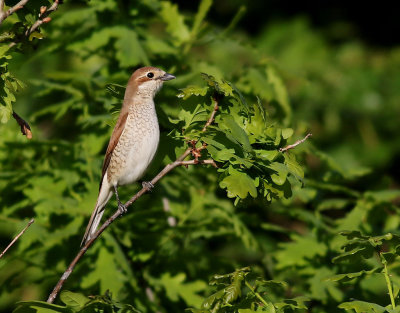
(73, 300)
(350, 276)
(176, 287)
(354, 255)
(185, 93)
(287, 133)
(129, 50)
(323, 289)
(292, 304)
(5, 113)
(39, 307)
(200, 15)
(238, 184)
(106, 271)
(269, 155)
(299, 250)
(383, 195)
(281, 93)
(362, 307)
(228, 123)
(221, 86)
(176, 26)
(3, 50)
(333, 204)
(293, 167)
(279, 174)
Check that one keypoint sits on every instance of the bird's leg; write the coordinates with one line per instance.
(148, 185)
(121, 207)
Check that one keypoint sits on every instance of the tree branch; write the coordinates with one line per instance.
(295, 144)
(5, 14)
(17, 237)
(43, 17)
(180, 161)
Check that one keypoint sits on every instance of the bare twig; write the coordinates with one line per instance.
(25, 128)
(193, 162)
(212, 116)
(17, 237)
(5, 14)
(180, 161)
(295, 144)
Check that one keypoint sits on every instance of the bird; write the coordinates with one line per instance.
(133, 142)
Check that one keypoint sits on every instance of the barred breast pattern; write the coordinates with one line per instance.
(136, 146)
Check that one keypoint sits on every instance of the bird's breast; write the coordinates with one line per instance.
(136, 147)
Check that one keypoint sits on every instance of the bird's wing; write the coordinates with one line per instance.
(118, 129)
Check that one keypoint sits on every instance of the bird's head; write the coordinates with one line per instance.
(146, 81)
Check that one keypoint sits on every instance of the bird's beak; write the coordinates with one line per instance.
(167, 76)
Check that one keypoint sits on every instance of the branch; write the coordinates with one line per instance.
(216, 99)
(194, 162)
(43, 17)
(25, 128)
(283, 150)
(5, 14)
(17, 237)
(180, 161)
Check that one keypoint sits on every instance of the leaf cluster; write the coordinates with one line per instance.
(279, 213)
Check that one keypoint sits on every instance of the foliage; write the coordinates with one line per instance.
(77, 302)
(316, 225)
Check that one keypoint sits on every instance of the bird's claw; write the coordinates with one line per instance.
(122, 208)
(148, 185)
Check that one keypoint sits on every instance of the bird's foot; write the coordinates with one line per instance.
(148, 185)
(122, 208)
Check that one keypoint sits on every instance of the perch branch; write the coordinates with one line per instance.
(17, 237)
(25, 128)
(180, 161)
(5, 14)
(295, 144)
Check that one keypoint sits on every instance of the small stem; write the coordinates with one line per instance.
(16, 238)
(389, 285)
(212, 116)
(12, 10)
(256, 293)
(295, 144)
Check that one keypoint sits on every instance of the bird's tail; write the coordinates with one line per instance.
(104, 195)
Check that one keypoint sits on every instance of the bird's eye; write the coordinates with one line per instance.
(150, 75)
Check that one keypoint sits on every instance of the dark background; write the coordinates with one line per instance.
(376, 24)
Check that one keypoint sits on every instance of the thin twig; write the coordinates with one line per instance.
(193, 162)
(5, 14)
(212, 116)
(25, 128)
(168, 168)
(43, 17)
(295, 144)
(17, 237)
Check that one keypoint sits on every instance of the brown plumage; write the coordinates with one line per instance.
(133, 142)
